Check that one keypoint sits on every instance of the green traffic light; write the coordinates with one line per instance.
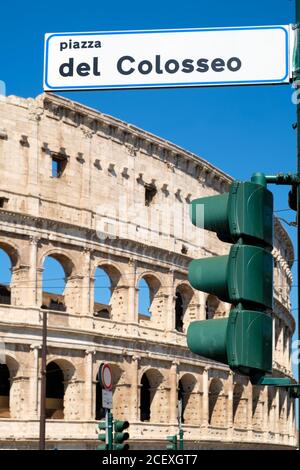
(120, 436)
(173, 442)
(244, 278)
(245, 212)
(245, 275)
(243, 340)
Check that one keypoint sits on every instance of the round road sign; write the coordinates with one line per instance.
(105, 376)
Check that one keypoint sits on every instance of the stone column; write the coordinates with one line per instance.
(202, 301)
(34, 273)
(34, 389)
(132, 306)
(87, 301)
(135, 389)
(205, 398)
(170, 302)
(90, 394)
(173, 393)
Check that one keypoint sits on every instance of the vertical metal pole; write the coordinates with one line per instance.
(110, 430)
(43, 384)
(297, 78)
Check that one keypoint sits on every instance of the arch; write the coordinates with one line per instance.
(12, 252)
(150, 304)
(186, 394)
(8, 258)
(150, 405)
(183, 297)
(107, 301)
(217, 415)
(57, 287)
(113, 272)
(239, 406)
(55, 391)
(63, 258)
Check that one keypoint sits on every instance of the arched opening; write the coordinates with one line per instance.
(217, 404)
(183, 313)
(179, 312)
(239, 407)
(108, 295)
(150, 302)
(181, 399)
(56, 270)
(188, 398)
(5, 277)
(100, 411)
(55, 391)
(4, 391)
(102, 293)
(211, 307)
(145, 406)
(153, 397)
(144, 298)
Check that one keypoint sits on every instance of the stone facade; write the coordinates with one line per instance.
(118, 199)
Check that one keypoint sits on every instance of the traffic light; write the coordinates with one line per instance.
(120, 436)
(173, 442)
(244, 277)
(102, 436)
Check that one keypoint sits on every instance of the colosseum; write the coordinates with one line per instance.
(92, 192)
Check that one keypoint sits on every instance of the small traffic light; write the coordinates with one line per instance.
(102, 436)
(244, 278)
(120, 436)
(173, 442)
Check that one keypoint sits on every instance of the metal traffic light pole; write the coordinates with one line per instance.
(297, 80)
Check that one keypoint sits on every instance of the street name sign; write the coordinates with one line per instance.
(168, 58)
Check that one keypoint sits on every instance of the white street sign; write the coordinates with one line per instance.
(107, 399)
(168, 58)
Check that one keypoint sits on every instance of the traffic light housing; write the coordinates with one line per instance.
(120, 436)
(173, 442)
(102, 436)
(244, 278)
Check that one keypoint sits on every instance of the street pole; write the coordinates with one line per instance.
(42, 440)
(297, 79)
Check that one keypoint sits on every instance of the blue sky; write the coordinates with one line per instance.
(239, 129)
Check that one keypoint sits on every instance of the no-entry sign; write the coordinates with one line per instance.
(168, 58)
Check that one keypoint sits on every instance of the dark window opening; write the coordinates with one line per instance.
(145, 399)
(3, 202)
(181, 399)
(150, 192)
(59, 163)
(53, 303)
(100, 311)
(100, 411)
(4, 391)
(5, 295)
(55, 391)
(179, 312)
